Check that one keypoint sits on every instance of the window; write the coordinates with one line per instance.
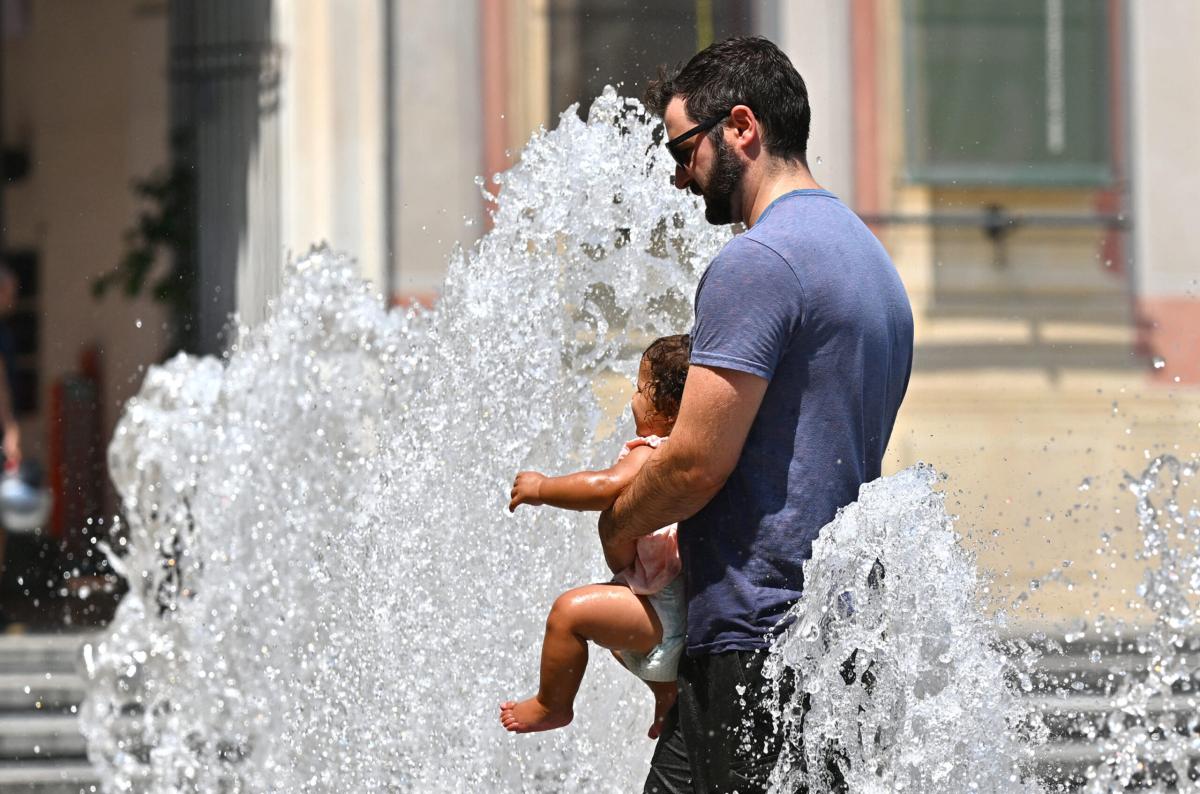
(599, 42)
(1012, 92)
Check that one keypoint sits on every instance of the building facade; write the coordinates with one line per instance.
(1023, 163)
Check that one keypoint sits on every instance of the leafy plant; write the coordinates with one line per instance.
(163, 233)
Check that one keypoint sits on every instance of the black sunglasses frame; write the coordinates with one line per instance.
(684, 158)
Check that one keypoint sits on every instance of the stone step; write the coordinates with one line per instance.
(1103, 704)
(1073, 691)
(41, 653)
(48, 777)
(1067, 763)
(1070, 663)
(40, 691)
(33, 736)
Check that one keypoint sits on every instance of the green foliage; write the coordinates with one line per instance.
(159, 248)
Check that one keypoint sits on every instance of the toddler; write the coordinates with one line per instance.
(640, 614)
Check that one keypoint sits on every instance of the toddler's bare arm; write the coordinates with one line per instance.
(583, 490)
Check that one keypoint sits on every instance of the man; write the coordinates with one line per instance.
(801, 352)
(11, 456)
(9, 287)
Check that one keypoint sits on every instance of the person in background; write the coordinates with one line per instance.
(8, 360)
(11, 445)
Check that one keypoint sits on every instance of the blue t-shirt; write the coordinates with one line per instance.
(809, 300)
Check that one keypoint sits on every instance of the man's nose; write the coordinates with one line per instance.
(682, 178)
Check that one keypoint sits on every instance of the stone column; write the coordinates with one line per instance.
(440, 140)
(816, 36)
(224, 68)
(1165, 114)
(333, 126)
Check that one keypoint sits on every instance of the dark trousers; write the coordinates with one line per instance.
(720, 737)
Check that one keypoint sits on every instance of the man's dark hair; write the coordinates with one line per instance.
(744, 70)
(668, 357)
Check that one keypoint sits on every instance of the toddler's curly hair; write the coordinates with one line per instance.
(668, 358)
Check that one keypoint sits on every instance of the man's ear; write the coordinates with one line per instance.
(745, 125)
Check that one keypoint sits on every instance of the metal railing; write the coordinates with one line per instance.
(997, 223)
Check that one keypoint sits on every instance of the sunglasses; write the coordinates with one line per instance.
(684, 158)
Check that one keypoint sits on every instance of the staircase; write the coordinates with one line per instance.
(1079, 694)
(41, 748)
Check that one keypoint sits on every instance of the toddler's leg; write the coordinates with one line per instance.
(609, 615)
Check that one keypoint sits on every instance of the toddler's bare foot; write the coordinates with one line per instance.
(664, 697)
(530, 715)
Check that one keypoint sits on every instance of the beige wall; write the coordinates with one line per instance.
(332, 129)
(1029, 376)
(440, 129)
(816, 36)
(88, 88)
(1166, 118)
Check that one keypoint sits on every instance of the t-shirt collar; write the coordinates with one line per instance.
(810, 191)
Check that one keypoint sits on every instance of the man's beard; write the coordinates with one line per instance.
(724, 180)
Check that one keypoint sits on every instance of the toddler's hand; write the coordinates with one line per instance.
(526, 489)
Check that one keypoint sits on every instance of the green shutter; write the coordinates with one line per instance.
(1012, 92)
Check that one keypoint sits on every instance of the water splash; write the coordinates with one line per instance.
(906, 685)
(1147, 732)
(326, 592)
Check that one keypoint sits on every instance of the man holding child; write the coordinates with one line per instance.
(801, 353)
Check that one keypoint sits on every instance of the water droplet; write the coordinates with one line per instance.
(1159, 362)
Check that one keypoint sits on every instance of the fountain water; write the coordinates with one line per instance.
(903, 677)
(1147, 713)
(326, 592)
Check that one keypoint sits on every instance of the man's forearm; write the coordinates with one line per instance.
(665, 491)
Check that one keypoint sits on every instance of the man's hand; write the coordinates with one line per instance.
(619, 555)
(527, 489)
(12, 447)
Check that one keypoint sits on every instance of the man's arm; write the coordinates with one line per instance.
(583, 490)
(718, 408)
(8, 422)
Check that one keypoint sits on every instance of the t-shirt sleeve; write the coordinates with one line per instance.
(748, 307)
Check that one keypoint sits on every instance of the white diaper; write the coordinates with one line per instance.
(662, 661)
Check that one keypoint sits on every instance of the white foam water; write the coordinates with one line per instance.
(1147, 729)
(326, 590)
(327, 594)
(890, 671)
